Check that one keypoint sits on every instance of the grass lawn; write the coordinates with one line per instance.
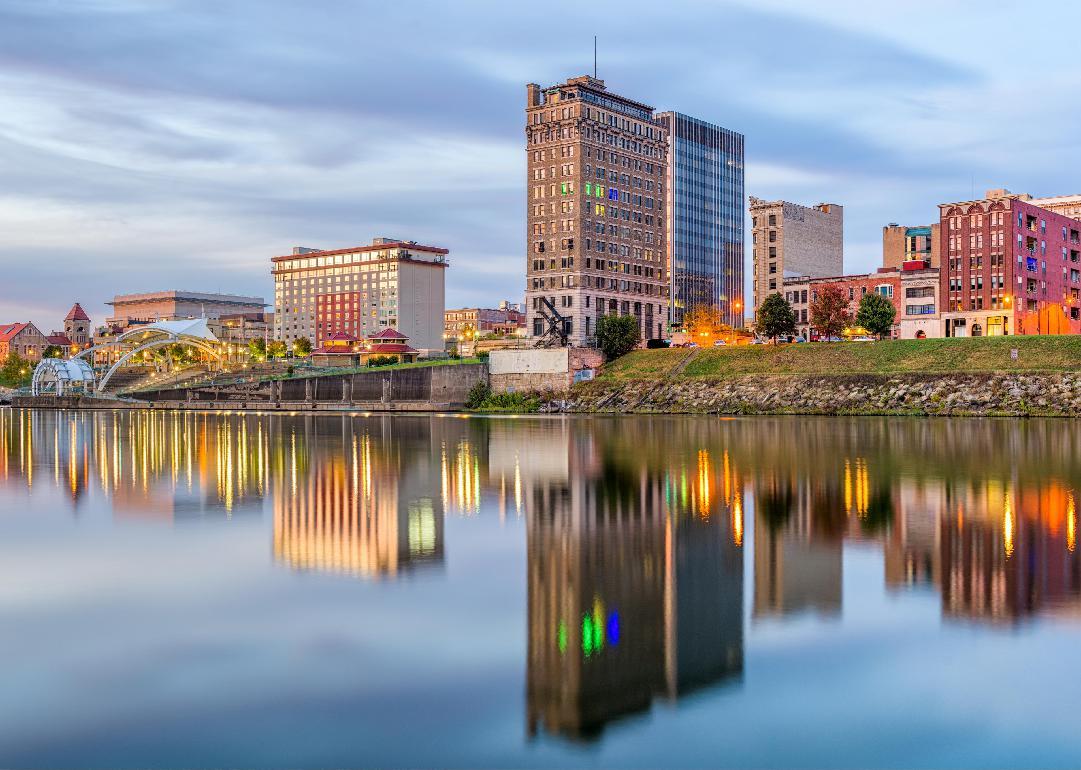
(980, 354)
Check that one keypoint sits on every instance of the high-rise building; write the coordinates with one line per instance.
(1009, 267)
(704, 207)
(361, 291)
(595, 221)
(790, 240)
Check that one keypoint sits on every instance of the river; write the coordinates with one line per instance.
(246, 590)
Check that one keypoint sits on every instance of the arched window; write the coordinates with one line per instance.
(977, 330)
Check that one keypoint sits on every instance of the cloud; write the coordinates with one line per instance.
(150, 144)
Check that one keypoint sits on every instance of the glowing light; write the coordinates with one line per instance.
(613, 629)
(1007, 528)
(1071, 522)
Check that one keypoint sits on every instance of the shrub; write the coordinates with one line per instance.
(482, 356)
(478, 394)
(382, 360)
(617, 335)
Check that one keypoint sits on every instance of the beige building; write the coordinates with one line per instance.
(920, 315)
(360, 291)
(22, 339)
(793, 240)
(176, 305)
(596, 171)
(907, 244)
(1067, 205)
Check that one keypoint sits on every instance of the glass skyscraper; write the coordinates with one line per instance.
(705, 217)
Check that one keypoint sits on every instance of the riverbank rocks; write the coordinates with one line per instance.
(1043, 394)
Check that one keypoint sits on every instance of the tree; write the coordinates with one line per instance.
(257, 349)
(829, 311)
(53, 351)
(703, 322)
(775, 317)
(617, 335)
(15, 371)
(276, 349)
(876, 314)
(302, 346)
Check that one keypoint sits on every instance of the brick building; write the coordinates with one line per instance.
(22, 339)
(359, 291)
(803, 291)
(595, 219)
(791, 241)
(507, 319)
(1010, 267)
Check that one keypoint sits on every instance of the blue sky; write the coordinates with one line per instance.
(152, 144)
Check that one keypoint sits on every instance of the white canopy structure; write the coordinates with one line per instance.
(59, 376)
(190, 331)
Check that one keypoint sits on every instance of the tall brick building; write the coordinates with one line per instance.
(595, 224)
(790, 241)
(1009, 267)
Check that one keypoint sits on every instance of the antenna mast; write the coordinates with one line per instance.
(594, 57)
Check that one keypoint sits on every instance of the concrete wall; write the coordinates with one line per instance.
(447, 385)
(539, 369)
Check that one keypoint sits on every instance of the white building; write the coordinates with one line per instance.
(361, 291)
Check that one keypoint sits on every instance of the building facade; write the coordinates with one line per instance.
(595, 218)
(704, 206)
(129, 309)
(22, 339)
(1011, 267)
(791, 241)
(920, 311)
(802, 292)
(360, 291)
(477, 321)
(902, 244)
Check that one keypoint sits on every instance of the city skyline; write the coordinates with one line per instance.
(198, 152)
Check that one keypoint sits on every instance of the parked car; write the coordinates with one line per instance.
(691, 345)
(719, 343)
(757, 341)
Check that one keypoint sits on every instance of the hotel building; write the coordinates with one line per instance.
(360, 291)
(595, 224)
(1009, 267)
(790, 241)
(704, 208)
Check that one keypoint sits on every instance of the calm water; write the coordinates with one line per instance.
(191, 590)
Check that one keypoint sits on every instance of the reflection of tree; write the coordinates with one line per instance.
(775, 505)
(879, 514)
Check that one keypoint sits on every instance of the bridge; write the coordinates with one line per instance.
(55, 376)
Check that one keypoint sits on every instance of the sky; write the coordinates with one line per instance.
(179, 144)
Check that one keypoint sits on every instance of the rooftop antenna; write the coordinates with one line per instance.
(594, 57)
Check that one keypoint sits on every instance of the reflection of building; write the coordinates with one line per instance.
(797, 566)
(634, 593)
(364, 509)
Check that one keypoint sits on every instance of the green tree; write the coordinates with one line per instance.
(257, 350)
(876, 314)
(16, 371)
(829, 311)
(302, 346)
(775, 317)
(53, 351)
(617, 335)
(275, 349)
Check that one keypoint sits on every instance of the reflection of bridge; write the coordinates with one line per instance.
(56, 376)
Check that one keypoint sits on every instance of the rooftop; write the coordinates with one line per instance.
(378, 244)
(181, 295)
(77, 314)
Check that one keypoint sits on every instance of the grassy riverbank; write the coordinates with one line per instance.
(889, 357)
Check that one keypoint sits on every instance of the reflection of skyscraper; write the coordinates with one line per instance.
(797, 559)
(629, 597)
(358, 511)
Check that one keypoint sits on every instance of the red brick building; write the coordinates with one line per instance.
(1009, 267)
(802, 292)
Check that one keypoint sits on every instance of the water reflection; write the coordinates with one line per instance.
(634, 529)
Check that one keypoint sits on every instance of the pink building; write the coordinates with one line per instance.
(1009, 267)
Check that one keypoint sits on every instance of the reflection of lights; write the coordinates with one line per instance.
(561, 637)
(703, 483)
(1007, 527)
(1071, 522)
(856, 487)
(737, 521)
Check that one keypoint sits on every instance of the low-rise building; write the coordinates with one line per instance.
(173, 305)
(470, 322)
(802, 292)
(920, 314)
(22, 339)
